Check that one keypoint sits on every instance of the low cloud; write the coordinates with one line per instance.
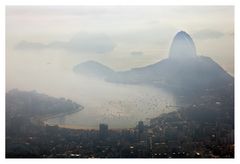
(24, 45)
(83, 42)
(136, 53)
(208, 34)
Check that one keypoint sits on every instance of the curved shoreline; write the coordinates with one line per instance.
(43, 119)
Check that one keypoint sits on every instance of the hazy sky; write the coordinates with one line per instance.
(40, 39)
(43, 44)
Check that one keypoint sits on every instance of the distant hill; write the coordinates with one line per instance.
(33, 104)
(182, 71)
(194, 74)
(92, 68)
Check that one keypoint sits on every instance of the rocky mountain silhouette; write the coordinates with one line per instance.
(182, 70)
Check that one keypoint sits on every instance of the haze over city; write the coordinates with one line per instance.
(42, 50)
(126, 81)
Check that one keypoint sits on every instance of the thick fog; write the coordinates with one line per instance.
(118, 105)
(43, 44)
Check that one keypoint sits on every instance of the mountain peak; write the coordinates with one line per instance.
(182, 46)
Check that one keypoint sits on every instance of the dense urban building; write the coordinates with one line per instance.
(103, 131)
(203, 130)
